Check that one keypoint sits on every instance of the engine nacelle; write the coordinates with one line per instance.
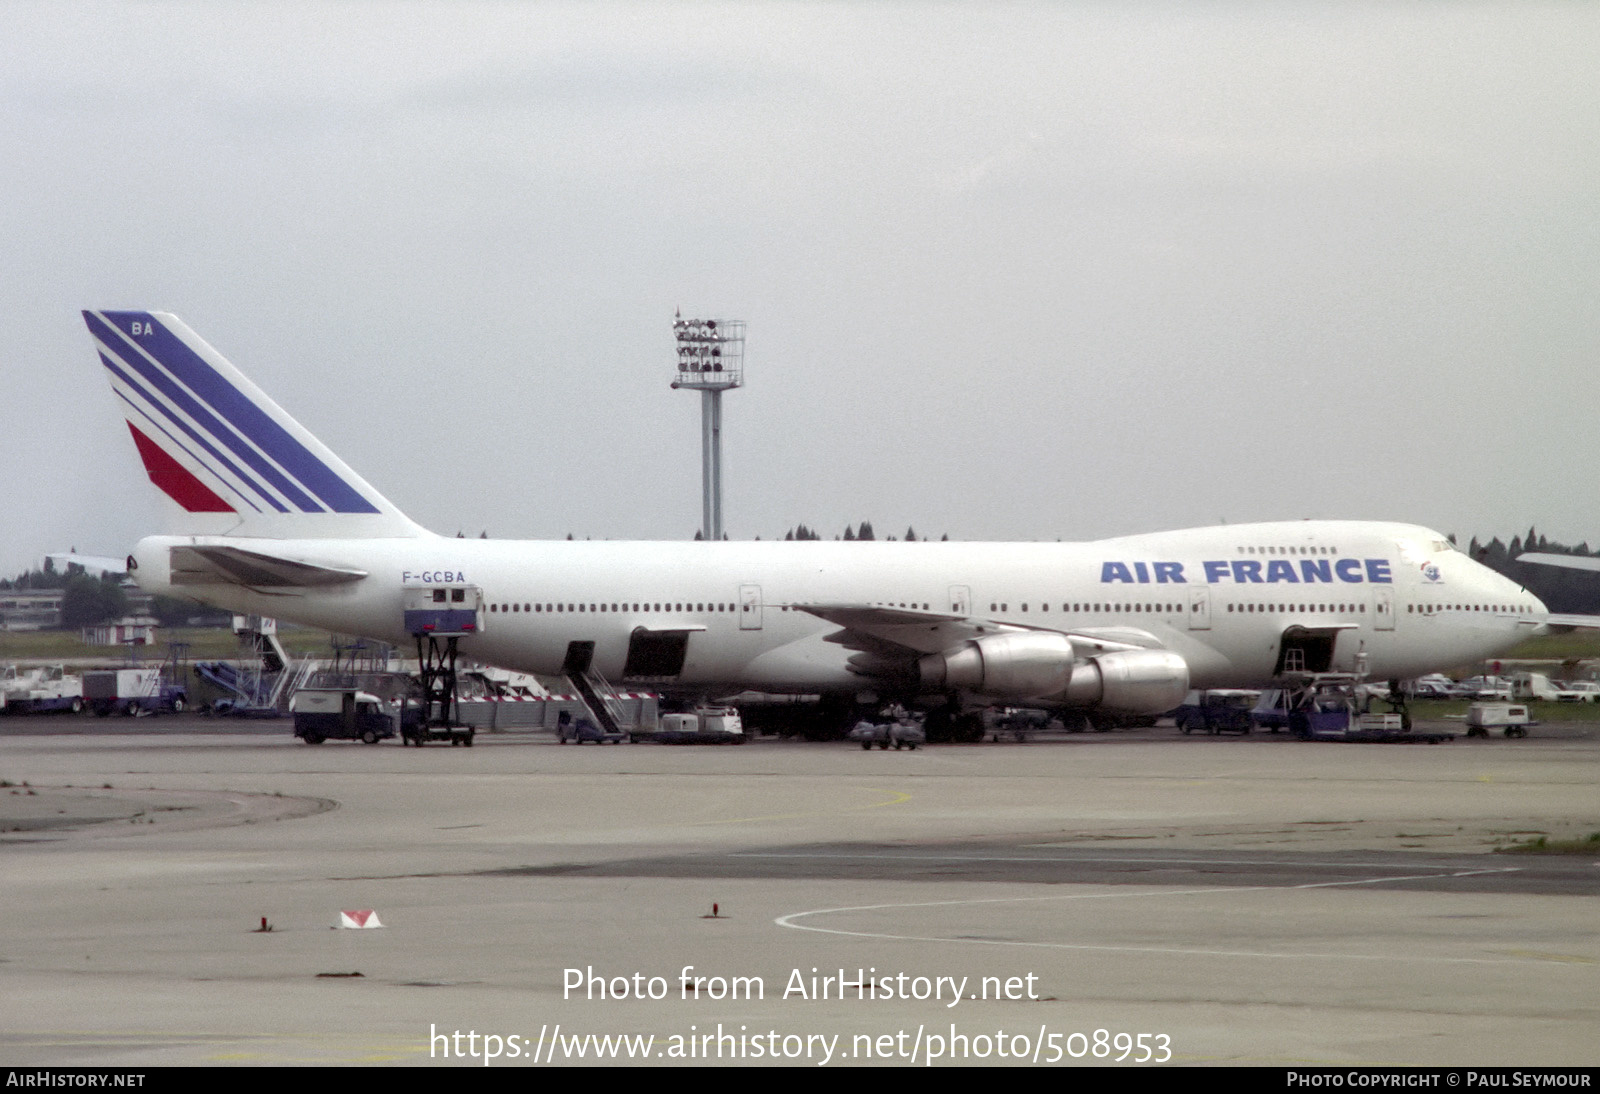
(1028, 665)
(1130, 681)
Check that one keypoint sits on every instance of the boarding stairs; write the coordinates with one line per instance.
(612, 714)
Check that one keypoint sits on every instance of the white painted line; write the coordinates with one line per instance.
(791, 921)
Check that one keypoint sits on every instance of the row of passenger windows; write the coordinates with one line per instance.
(1288, 550)
(1344, 609)
(638, 608)
(1430, 609)
(1003, 607)
(1120, 606)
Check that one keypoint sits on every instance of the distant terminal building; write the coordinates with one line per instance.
(30, 609)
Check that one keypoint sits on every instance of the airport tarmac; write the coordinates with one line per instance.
(1208, 900)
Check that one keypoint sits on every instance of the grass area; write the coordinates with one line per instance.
(1574, 645)
(1546, 712)
(205, 643)
(1543, 845)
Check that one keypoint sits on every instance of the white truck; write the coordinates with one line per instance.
(36, 691)
(1528, 686)
(132, 692)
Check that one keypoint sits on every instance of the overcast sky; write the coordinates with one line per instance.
(1011, 271)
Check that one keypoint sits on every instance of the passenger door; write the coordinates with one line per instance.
(749, 607)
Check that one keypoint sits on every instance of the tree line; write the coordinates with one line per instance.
(1563, 590)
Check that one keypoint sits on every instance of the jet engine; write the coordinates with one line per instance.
(1029, 665)
(1043, 666)
(1132, 681)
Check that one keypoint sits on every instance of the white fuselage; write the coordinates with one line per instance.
(1400, 601)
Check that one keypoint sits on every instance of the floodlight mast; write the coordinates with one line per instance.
(710, 361)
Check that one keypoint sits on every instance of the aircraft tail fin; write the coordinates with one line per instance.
(233, 459)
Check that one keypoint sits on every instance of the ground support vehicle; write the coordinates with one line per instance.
(132, 692)
(1272, 711)
(1513, 718)
(419, 733)
(1334, 723)
(1016, 721)
(40, 691)
(1220, 710)
(704, 725)
(585, 729)
(1338, 707)
(902, 731)
(348, 714)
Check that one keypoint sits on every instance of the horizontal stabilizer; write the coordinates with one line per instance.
(235, 566)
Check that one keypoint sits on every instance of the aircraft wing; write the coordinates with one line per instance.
(253, 569)
(891, 633)
(1570, 562)
(1562, 619)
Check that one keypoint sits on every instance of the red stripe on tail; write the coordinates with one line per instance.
(181, 486)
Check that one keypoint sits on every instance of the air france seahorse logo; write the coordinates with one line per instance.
(1430, 571)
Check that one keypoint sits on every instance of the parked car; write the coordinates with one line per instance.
(1219, 710)
(1580, 691)
(1488, 688)
(1432, 687)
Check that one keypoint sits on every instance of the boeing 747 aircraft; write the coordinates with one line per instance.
(273, 523)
